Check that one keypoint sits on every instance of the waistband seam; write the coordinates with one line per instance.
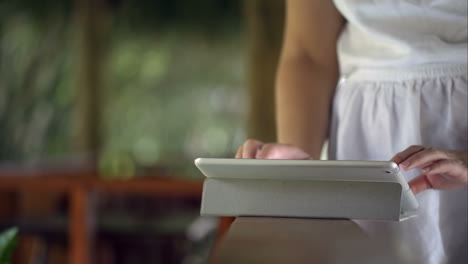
(406, 74)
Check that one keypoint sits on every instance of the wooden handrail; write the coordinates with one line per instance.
(140, 185)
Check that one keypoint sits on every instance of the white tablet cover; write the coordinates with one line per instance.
(314, 170)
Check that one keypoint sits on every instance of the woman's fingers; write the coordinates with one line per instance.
(239, 152)
(249, 149)
(419, 184)
(442, 169)
(442, 174)
(443, 166)
(268, 151)
(281, 151)
(254, 149)
(423, 157)
(455, 170)
(401, 156)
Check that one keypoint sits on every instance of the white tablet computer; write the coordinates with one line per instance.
(318, 170)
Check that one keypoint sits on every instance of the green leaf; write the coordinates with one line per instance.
(7, 244)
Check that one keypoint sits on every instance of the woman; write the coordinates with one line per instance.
(403, 87)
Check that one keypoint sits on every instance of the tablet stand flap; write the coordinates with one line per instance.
(299, 198)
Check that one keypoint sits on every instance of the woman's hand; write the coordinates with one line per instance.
(254, 149)
(442, 169)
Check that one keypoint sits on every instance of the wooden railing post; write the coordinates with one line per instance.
(81, 226)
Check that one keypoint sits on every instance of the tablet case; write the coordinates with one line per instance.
(302, 198)
(370, 190)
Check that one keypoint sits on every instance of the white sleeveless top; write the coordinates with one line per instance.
(405, 83)
(396, 33)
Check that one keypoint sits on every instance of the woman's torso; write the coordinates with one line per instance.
(404, 82)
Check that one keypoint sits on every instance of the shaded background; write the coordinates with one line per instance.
(168, 77)
(112, 93)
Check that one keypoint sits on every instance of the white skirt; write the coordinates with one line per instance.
(377, 113)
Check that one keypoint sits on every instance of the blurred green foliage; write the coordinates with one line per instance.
(35, 85)
(175, 82)
(8, 241)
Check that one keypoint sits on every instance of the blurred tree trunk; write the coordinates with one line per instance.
(265, 20)
(93, 21)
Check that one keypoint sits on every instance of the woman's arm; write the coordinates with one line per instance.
(305, 83)
(307, 74)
